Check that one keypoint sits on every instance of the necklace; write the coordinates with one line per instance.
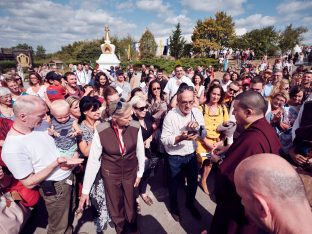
(18, 130)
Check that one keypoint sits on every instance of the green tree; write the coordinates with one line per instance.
(187, 50)
(290, 37)
(213, 33)
(89, 52)
(23, 46)
(177, 42)
(40, 52)
(263, 41)
(148, 45)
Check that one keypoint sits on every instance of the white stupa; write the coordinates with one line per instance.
(108, 57)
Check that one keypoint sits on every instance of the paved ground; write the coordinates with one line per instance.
(153, 219)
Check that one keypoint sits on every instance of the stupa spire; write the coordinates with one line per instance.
(106, 37)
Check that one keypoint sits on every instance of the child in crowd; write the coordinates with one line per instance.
(64, 129)
(56, 90)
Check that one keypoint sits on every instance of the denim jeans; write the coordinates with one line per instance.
(178, 166)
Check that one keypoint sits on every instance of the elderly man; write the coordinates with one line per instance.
(181, 127)
(31, 155)
(174, 82)
(267, 184)
(257, 137)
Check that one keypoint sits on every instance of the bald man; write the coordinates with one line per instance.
(32, 157)
(257, 137)
(273, 194)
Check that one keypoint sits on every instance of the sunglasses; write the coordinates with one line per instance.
(141, 108)
(118, 107)
(233, 90)
(157, 88)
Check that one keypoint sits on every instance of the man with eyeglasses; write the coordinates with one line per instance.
(174, 82)
(182, 126)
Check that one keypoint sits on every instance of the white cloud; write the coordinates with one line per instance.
(182, 19)
(126, 5)
(232, 7)
(53, 25)
(293, 6)
(240, 31)
(153, 5)
(255, 21)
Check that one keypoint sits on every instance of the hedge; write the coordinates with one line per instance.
(7, 64)
(168, 65)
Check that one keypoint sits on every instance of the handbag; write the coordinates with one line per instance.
(13, 215)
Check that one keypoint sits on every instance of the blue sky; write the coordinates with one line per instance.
(57, 23)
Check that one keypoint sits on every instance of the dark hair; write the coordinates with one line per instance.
(135, 90)
(109, 91)
(257, 79)
(296, 89)
(210, 89)
(97, 84)
(36, 75)
(200, 76)
(160, 70)
(69, 74)
(177, 66)
(236, 75)
(150, 95)
(252, 100)
(87, 103)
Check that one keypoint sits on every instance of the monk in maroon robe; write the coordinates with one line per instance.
(258, 137)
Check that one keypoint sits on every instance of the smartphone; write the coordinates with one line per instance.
(192, 132)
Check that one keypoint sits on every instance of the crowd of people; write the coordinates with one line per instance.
(95, 137)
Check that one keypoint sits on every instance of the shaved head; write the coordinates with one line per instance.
(252, 100)
(271, 176)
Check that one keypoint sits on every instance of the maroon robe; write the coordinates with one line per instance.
(229, 216)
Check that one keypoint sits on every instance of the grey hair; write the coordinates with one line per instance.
(117, 109)
(27, 104)
(4, 91)
(136, 100)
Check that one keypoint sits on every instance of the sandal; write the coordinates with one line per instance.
(204, 187)
(148, 201)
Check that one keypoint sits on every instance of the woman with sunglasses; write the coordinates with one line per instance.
(36, 85)
(148, 126)
(215, 113)
(118, 152)
(20, 83)
(157, 101)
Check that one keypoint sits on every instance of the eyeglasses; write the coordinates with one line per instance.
(141, 108)
(233, 90)
(156, 88)
(118, 107)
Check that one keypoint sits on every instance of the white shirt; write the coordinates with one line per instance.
(174, 124)
(81, 77)
(30, 153)
(174, 83)
(41, 92)
(225, 86)
(94, 163)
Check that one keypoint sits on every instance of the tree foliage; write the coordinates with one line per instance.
(148, 45)
(23, 46)
(262, 41)
(177, 42)
(291, 37)
(40, 52)
(213, 33)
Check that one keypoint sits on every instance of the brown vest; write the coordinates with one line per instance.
(113, 163)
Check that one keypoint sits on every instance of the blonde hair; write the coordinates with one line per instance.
(59, 106)
(71, 100)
